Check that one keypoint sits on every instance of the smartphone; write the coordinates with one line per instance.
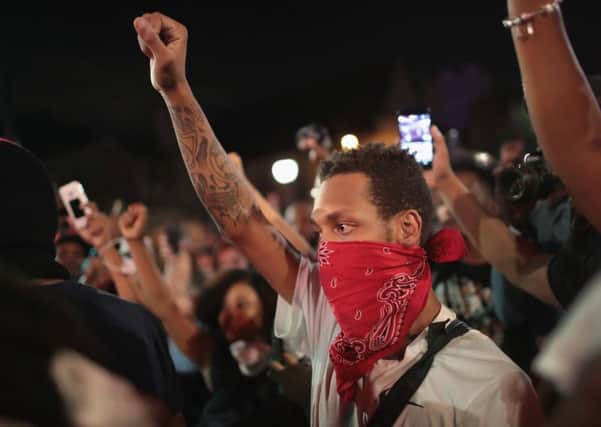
(415, 135)
(74, 199)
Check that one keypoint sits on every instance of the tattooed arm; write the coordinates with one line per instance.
(225, 194)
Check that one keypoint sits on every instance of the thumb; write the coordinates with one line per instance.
(125, 220)
(149, 38)
(440, 144)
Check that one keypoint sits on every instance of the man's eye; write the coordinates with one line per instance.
(343, 228)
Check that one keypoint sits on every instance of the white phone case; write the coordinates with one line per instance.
(70, 192)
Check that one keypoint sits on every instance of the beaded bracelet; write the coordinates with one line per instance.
(527, 19)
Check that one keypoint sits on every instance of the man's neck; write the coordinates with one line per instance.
(424, 320)
(427, 315)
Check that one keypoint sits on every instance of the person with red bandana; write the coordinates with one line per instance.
(383, 349)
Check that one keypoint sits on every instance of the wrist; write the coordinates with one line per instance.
(516, 8)
(134, 240)
(106, 250)
(178, 91)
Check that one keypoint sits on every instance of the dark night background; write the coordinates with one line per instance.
(75, 88)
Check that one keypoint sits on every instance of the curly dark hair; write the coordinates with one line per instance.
(396, 180)
(211, 302)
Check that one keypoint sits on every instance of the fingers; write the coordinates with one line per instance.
(127, 219)
(148, 37)
(169, 29)
(90, 208)
(71, 223)
(277, 366)
(138, 211)
(290, 358)
(439, 140)
(96, 229)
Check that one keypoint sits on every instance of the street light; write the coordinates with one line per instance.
(349, 142)
(285, 171)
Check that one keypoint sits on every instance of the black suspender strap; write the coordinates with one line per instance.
(392, 403)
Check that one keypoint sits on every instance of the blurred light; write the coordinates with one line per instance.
(285, 171)
(483, 159)
(349, 142)
(314, 192)
(453, 138)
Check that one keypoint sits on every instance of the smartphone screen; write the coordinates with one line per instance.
(76, 208)
(414, 129)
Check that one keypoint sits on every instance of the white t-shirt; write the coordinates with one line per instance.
(471, 382)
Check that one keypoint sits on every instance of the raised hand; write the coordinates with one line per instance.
(164, 41)
(441, 165)
(99, 229)
(133, 222)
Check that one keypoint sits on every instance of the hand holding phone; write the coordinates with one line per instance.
(414, 130)
(74, 198)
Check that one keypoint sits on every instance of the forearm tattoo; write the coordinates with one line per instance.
(214, 178)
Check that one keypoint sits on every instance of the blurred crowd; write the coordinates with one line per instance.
(272, 315)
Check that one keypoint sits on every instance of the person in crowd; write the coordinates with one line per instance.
(315, 139)
(97, 275)
(298, 215)
(134, 338)
(174, 309)
(51, 368)
(290, 366)
(563, 108)
(367, 302)
(71, 252)
(525, 318)
(464, 286)
(232, 343)
(229, 257)
(554, 278)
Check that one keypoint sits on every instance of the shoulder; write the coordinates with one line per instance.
(484, 382)
(476, 364)
(107, 309)
(475, 350)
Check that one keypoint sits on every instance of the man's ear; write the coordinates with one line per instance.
(407, 226)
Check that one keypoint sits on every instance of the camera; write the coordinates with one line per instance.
(527, 182)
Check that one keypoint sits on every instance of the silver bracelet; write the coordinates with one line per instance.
(127, 267)
(527, 19)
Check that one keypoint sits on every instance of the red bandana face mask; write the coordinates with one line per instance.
(376, 291)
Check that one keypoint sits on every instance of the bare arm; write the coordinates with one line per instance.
(273, 216)
(219, 186)
(563, 109)
(98, 232)
(517, 260)
(155, 295)
(123, 283)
